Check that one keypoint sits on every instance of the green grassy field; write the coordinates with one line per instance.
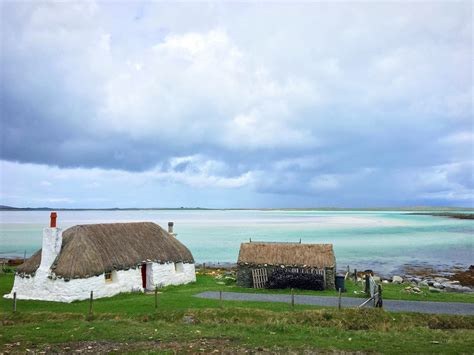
(129, 322)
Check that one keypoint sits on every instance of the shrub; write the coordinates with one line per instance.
(282, 278)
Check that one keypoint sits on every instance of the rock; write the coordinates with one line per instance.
(452, 282)
(397, 279)
(449, 284)
(415, 279)
(376, 278)
(423, 283)
(437, 285)
(385, 281)
(440, 279)
(410, 289)
(452, 288)
(434, 290)
(458, 288)
(466, 289)
(188, 320)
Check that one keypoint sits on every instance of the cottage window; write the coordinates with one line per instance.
(108, 276)
(178, 267)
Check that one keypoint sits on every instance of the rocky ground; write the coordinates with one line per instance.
(103, 346)
(454, 281)
(203, 345)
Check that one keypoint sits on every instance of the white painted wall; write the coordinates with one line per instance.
(41, 287)
(165, 274)
(52, 241)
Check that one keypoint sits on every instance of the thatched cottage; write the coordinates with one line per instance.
(104, 258)
(257, 260)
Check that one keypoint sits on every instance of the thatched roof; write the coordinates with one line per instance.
(288, 254)
(92, 249)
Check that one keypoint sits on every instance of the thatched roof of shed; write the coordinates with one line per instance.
(92, 249)
(288, 254)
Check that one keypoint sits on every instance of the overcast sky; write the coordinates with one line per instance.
(147, 104)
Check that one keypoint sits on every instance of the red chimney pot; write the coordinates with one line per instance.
(54, 215)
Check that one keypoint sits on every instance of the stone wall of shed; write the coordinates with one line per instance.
(330, 278)
(244, 276)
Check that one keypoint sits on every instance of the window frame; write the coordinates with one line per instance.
(108, 276)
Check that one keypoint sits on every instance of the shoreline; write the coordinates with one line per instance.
(465, 216)
(455, 279)
(408, 270)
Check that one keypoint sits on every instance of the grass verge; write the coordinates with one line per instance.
(129, 322)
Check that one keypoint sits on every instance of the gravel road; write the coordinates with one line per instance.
(389, 305)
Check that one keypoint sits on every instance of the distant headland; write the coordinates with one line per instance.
(450, 215)
(440, 210)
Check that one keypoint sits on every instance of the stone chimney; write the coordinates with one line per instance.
(170, 229)
(52, 241)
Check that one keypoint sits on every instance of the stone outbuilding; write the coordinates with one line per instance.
(104, 258)
(257, 260)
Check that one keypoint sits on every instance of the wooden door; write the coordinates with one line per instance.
(144, 276)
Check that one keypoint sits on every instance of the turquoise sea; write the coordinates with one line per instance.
(383, 241)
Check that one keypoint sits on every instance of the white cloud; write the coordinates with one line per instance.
(325, 182)
(300, 163)
(449, 182)
(342, 181)
(450, 195)
(465, 138)
(199, 172)
(244, 106)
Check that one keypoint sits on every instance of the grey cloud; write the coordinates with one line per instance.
(312, 91)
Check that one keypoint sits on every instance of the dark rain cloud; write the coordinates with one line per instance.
(383, 100)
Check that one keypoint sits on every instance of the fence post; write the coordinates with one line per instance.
(355, 275)
(14, 302)
(292, 298)
(156, 297)
(220, 298)
(367, 284)
(340, 300)
(90, 302)
(380, 299)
